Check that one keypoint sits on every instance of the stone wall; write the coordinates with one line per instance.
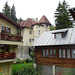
(23, 52)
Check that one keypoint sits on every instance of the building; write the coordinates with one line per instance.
(9, 40)
(31, 30)
(55, 52)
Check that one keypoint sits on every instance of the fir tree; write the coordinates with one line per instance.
(6, 10)
(13, 14)
(62, 16)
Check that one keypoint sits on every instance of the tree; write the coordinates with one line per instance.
(62, 16)
(52, 28)
(6, 10)
(13, 14)
(20, 20)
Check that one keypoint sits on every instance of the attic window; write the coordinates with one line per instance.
(60, 33)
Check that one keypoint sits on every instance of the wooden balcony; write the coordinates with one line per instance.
(10, 37)
(6, 55)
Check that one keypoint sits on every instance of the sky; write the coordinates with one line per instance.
(35, 8)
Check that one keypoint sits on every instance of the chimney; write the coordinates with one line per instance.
(36, 19)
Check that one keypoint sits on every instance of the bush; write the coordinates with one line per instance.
(27, 71)
(27, 60)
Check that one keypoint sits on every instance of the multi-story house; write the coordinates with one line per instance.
(31, 30)
(9, 40)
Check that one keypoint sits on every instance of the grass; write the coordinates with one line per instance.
(19, 66)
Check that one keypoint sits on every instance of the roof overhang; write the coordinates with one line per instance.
(60, 31)
(9, 20)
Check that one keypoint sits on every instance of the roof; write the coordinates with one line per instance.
(27, 23)
(9, 20)
(72, 11)
(60, 31)
(44, 20)
(30, 22)
(47, 38)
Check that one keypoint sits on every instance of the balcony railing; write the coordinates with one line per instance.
(5, 36)
(5, 55)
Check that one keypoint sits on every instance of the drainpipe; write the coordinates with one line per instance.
(53, 69)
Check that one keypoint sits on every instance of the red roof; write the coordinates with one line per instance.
(29, 22)
(9, 20)
(44, 20)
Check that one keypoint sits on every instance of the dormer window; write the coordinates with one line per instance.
(60, 33)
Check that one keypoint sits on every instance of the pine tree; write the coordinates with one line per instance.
(6, 10)
(13, 14)
(62, 16)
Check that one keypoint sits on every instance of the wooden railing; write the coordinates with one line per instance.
(6, 55)
(5, 36)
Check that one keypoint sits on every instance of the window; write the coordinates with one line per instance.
(29, 40)
(73, 53)
(68, 53)
(58, 35)
(43, 53)
(38, 32)
(50, 52)
(47, 53)
(59, 53)
(5, 29)
(47, 25)
(30, 32)
(54, 53)
(63, 53)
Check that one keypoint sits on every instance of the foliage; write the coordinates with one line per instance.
(20, 20)
(32, 55)
(62, 16)
(23, 61)
(26, 71)
(27, 60)
(6, 10)
(19, 66)
(52, 28)
(13, 14)
(9, 12)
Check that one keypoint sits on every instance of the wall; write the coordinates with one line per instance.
(27, 36)
(45, 69)
(63, 62)
(48, 70)
(6, 24)
(6, 68)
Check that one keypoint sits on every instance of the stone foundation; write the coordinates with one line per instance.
(23, 52)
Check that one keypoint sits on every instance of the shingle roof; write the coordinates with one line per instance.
(29, 22)
(47, 38)
(44, 20)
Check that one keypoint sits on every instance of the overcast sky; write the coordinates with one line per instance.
(35, 8)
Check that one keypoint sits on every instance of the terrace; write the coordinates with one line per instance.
(10, 37)
(7, 55)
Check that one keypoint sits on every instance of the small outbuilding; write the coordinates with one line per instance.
(55, 52)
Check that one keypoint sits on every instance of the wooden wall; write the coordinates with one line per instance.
(64, 62)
